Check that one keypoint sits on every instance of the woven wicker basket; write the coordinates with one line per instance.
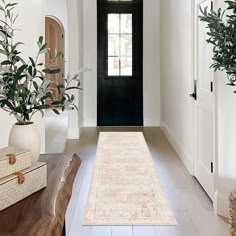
(232, 213)
(13, 160)
(20, 185)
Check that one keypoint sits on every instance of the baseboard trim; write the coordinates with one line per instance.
(90, 123)
(147, 123)
(151, 123)
(221, 204)
(181, 153)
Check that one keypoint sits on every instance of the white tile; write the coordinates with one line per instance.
(80, 232)
(101, 231)
(122, 231)
(184, 228)
(143, 230)
(75, 194)
(80, 208)
(205, 223)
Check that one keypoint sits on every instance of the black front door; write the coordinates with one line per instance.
(120, 63)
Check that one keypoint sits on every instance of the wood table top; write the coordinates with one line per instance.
(43, 213)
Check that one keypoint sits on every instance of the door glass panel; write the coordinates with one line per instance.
(113, 23)
(113, 66)
(126, 66)
(120, 46)
(114, 45)
(126, 23)
(126, 45)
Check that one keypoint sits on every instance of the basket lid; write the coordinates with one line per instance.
(11, 150)
(34, 166)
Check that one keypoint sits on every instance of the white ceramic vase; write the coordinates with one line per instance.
(28, 137)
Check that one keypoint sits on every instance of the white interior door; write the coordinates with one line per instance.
(204, 104)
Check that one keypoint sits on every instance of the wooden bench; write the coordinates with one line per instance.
(43, 213)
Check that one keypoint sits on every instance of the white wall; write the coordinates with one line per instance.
(225, 180)
(75, 61)
(151, 61)
(90, 60)
(176, 76)
(81, 60)
(31, 22)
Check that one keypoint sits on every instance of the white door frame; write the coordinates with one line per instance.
(194, 77)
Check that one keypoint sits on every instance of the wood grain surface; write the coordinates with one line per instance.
(43, 213)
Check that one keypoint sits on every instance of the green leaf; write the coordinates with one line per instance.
(47, 71)
(17, 44)
(32, 61)
(56, 103)
(56, 111)
(14, 20)
(35, 85)
(5, 63)
(8, 14)
(2, 103)
(8, 104)
(40, 41)
(21, 69)
(49, 95)
(71, 88)
(2, 9)
(42, 107)
(3, 52)
(30, 70)
(59, 87)
(11, 5)
(54, 71)
(58, 54)
(43, 48)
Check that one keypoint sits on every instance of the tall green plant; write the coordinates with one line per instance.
(222, 35)
(24, 87)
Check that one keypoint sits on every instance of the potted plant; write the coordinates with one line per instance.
(222, 35)
(24, 87)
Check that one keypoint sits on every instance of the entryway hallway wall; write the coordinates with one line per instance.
(177, 114)
(176, 76)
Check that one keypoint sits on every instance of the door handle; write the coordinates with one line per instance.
(193, 95)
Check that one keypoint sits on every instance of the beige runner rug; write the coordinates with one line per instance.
(125, 189)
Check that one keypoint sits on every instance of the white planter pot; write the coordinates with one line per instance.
(28, 137)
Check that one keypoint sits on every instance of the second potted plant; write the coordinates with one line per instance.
(24, 87)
